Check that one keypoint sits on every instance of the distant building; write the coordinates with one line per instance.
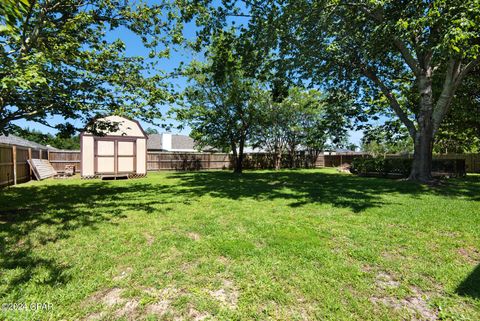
(167, 142)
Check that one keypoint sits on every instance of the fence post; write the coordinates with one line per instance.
(14, 160)
(30, 159)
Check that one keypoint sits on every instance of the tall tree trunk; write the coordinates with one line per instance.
(234, 155)
(422, 156)
(423, 139)
(278, 158)
(239, 164)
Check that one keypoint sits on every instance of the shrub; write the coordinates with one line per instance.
(401, 167)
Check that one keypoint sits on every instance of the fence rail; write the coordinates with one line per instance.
(15, 172)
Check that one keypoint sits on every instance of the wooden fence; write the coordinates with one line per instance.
(14, 168)
(14, 172)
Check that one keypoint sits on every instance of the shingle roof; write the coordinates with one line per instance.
(15, 140)
(154, 142)
(182, 142)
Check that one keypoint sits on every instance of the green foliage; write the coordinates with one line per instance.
(390, 138)
(460, 130)
(387, 54)
(302, 119)
(221, 102)
(56, 60)
(58, 141)
(401, 167)
(150, 131)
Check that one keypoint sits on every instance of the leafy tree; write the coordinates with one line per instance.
(58, 141)
(151, 131)
(221, 103)
(55, 59)
(460, 130)
(390, 138)
(389, 53)
(304, 119)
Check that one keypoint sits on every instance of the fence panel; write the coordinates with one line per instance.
(6, 165)
(23, 169)
(62, 158)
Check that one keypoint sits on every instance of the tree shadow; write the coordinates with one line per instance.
(471, 285)
(39, 214)
(303, 187)
(35, 215)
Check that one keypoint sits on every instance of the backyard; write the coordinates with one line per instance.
(283, 245)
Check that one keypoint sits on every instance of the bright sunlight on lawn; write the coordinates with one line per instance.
(264, 245)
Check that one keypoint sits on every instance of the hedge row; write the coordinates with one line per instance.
(401, 167)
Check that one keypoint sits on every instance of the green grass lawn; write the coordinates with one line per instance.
(287, 245)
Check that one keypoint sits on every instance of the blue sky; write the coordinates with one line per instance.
(134, 47)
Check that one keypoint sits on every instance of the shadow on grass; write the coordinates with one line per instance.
(38, 214)
(31, 216)
(304, 187)
(471, 285)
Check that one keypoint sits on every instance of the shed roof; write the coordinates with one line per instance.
(125, 126)
(15, 140)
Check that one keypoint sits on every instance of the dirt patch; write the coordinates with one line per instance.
(224, 260)
(129, 310)
(159, 308)
(109, 297)
(95, 316)
(195, 315)
(386, 281)
(149, 239)
(227, 295)
(123, 274)
(416, 305)
(165, 297)
(470, 254)
(194, 236)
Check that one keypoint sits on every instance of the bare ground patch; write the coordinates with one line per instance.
(125, 272)
(227, 295)
(108, 297)
(470, 254)
(193, 236)
(164, 298)
(416, 304)
(149, 239)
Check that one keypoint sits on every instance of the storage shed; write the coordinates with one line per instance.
(118, 152)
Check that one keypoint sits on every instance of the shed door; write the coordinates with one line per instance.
(126, 156)
(105, 157)
(115, 156)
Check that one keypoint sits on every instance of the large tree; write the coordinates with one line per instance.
(56, 59)
(303, 120)
(387, 52)
(221, 101)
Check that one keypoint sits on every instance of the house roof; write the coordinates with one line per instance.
(154, 142)
(182, 142)
(15, 140)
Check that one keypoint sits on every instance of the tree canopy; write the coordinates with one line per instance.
(56, 59)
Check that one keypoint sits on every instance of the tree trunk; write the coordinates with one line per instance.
(239, 163)
(234, 155)
(422, 156)
(277, 158)
(423, 138)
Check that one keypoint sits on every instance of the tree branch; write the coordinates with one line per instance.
(368, 72)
